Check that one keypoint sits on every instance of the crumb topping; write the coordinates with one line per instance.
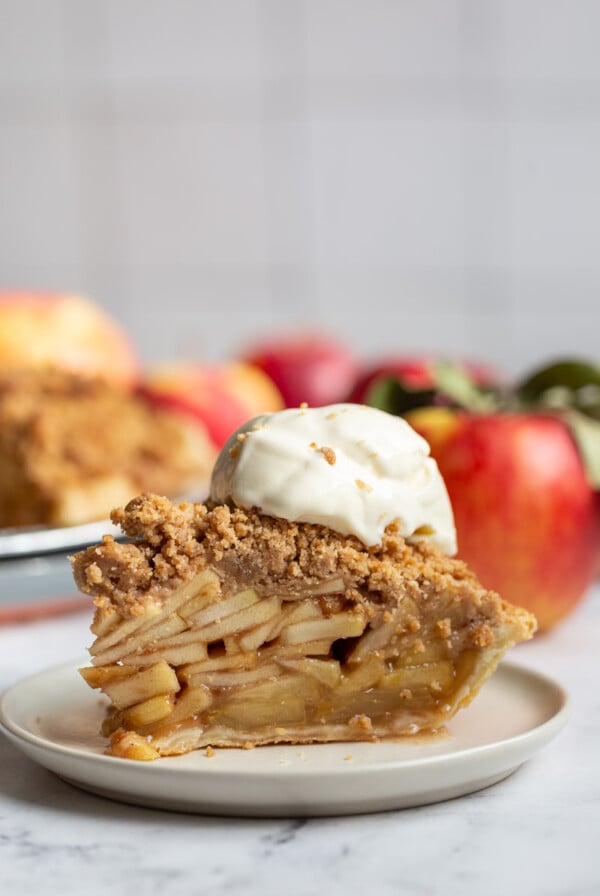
(329, 455)
(444, 627)
(170, 543)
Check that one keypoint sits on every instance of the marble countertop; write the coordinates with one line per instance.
(535, 833)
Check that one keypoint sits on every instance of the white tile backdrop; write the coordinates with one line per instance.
(411, 174)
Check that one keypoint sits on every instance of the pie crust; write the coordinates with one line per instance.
(218, 627)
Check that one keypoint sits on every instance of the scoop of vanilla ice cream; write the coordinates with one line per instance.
(349, 467)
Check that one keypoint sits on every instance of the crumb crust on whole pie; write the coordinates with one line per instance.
(71, 448)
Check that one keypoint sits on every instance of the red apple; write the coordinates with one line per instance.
(221, 396)
(40, 330)
(597, 506)
(311, 368)
(523, 505)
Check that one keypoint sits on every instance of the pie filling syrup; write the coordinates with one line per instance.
(221, 627)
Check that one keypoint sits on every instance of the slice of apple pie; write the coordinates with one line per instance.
(221, 626)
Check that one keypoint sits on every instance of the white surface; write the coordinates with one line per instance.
(377, 464)
(534, 834)
(55, 719)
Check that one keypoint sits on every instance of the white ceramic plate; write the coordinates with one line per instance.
(54, 718)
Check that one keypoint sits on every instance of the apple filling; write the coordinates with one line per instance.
(209, 667)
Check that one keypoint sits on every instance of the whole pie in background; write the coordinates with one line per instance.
(72, 448)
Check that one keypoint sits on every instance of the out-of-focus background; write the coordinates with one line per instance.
(411, 174)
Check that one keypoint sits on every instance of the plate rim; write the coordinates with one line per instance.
(37, 541)
(544, 731)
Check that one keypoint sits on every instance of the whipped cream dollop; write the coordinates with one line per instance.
(352, 468)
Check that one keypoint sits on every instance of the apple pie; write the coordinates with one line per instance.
(218, 626)
(73, 448)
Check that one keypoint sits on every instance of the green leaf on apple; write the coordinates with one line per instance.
(586, 432)
(455, 384)
(452, 386)
(389, 394)
(571, 389)
(566, 383)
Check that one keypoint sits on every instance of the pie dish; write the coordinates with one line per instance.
(218, 625)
